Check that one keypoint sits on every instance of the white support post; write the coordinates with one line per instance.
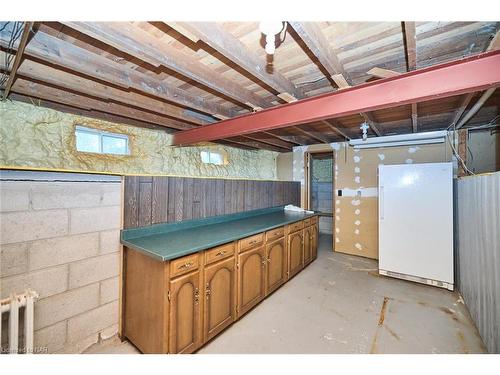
(28, 322)
(13, 324)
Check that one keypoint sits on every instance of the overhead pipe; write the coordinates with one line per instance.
(476, 107)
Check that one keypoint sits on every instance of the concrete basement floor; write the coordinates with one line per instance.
(339, 304)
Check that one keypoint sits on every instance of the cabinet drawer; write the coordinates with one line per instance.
(251, 242)
(274, 234)
(218, 253)
(307, 222)
(314, 220)
(184, 265)
(295, 226)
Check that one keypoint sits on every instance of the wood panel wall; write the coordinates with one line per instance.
(151, 200)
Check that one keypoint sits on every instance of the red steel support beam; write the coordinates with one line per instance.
(475, 73)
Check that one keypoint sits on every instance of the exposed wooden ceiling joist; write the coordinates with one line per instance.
(254, 143)
(53, 94)
(44, 73)
(290, 139)
(272, 140)
(493, 45)
(410, 36)
(126, 37)
(17, 60)
(83, 112)
(317, 43)
(382, 73)
(457, 77)
(316, 137)
(69, 56)
(335, 129)
(233, 49)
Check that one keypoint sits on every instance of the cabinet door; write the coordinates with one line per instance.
(251, 278)
(295, 253)
(220, 297)
(314, 233)
(307, 245)
(185, 314)
(276, 265)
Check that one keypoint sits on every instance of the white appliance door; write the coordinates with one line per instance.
(416, 220)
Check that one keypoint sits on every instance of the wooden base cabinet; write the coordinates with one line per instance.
(177, 306)
(220, 287)
(251, 278)
(276, 257)
(314, 240)
(185, 314)
(295, 253)
(308, 244)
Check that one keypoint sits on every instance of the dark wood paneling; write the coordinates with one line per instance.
(151, 200)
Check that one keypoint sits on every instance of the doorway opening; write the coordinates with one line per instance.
(320, 189)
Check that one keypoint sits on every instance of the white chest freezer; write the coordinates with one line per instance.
(416, 222)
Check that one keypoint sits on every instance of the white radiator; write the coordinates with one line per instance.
(12, 305)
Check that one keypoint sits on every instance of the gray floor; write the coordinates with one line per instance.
(339, 304)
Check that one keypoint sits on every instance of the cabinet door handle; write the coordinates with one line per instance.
(263, 263)
(196, 296)
(269, 260)
(208, 291)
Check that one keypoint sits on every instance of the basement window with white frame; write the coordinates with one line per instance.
(211, 157)
(101, 142)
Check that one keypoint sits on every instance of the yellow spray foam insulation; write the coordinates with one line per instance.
(42, 138)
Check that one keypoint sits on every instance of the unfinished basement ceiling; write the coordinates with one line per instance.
(178, 76)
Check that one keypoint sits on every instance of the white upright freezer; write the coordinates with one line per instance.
(416, 222)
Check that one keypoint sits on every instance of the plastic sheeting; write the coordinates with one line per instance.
(478, 253)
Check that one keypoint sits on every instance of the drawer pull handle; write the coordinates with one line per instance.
(185, 265)
(220, 253)
(252, 242)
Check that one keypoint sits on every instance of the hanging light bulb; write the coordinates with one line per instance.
(270, 29)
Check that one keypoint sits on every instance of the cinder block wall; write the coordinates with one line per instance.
(60, 237)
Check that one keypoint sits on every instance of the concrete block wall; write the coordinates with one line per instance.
(60, 237)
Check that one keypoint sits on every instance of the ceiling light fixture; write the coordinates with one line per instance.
(270, 29)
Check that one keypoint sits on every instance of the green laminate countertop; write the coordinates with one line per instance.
(173, 240)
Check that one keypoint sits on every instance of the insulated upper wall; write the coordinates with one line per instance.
(37, 137)
(356, 175)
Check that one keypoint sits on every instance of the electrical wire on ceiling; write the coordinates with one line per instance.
(489, 125)
(15, 34)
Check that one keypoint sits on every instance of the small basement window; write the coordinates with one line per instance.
(101, 142)
(211, 157)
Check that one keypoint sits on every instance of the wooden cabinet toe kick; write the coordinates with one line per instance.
(179, 305)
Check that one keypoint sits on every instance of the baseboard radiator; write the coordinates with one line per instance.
(12, 306)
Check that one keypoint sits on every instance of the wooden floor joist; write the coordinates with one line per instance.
(475, 73)
(17, 60)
